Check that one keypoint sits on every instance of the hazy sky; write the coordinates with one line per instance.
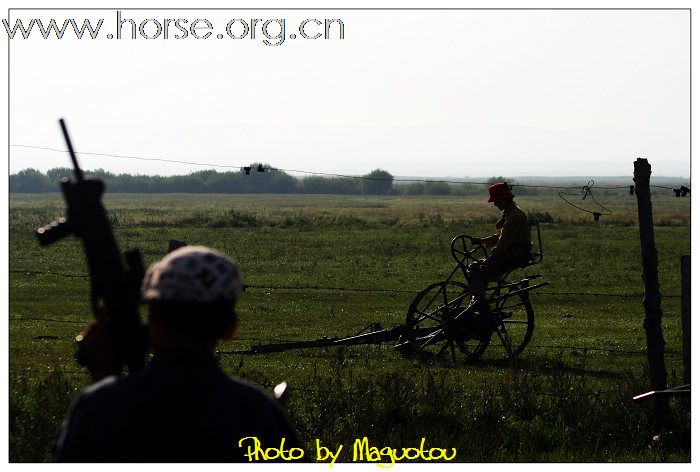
(431, 93)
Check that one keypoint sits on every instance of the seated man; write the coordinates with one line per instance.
(512, 244)
(182, 407)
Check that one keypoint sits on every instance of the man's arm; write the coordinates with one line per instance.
(97, 351)
(490, 241)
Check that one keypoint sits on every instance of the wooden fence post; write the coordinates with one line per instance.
(652, 293)
(685, 318)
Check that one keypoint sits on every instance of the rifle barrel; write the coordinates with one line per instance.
(76, 168)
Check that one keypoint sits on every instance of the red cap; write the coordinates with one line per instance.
(499, 191)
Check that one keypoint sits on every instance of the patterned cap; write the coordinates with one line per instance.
(192, 274)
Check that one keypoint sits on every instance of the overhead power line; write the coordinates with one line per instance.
(585, 190)
(329, 174)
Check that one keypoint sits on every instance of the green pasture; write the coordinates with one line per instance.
(331, 265)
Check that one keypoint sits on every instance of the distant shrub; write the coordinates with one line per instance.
(377, 182)
(437, 188)
(414, 188)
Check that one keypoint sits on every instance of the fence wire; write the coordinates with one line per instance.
(352, 289)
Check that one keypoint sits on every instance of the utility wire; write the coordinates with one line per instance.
(118, 156)
(327, 174)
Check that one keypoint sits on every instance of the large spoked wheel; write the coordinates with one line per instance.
(516, 322)
(439, 323)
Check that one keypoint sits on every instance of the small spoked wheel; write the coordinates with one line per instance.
(515, 323)
(465, 251)
(439, 322)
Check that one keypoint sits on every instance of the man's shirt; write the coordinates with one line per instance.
(513, 231)
(181, 408)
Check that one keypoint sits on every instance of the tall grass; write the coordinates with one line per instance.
(305, 211)
(545, 412)
(37, 407)
(328, 266)
(528, 416)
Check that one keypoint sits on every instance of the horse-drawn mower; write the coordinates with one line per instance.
(442, 319)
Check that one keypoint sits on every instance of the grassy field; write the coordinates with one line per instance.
(331, 265)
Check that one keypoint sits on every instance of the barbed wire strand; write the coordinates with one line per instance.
(353, 289)
(586, 192)
(480, 394)
(553, 347)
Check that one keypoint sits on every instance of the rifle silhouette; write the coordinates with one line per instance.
(114, 290)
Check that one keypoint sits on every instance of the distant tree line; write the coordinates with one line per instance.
(377, 182)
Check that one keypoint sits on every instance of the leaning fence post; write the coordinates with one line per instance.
(685, 318)
(652, 293)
